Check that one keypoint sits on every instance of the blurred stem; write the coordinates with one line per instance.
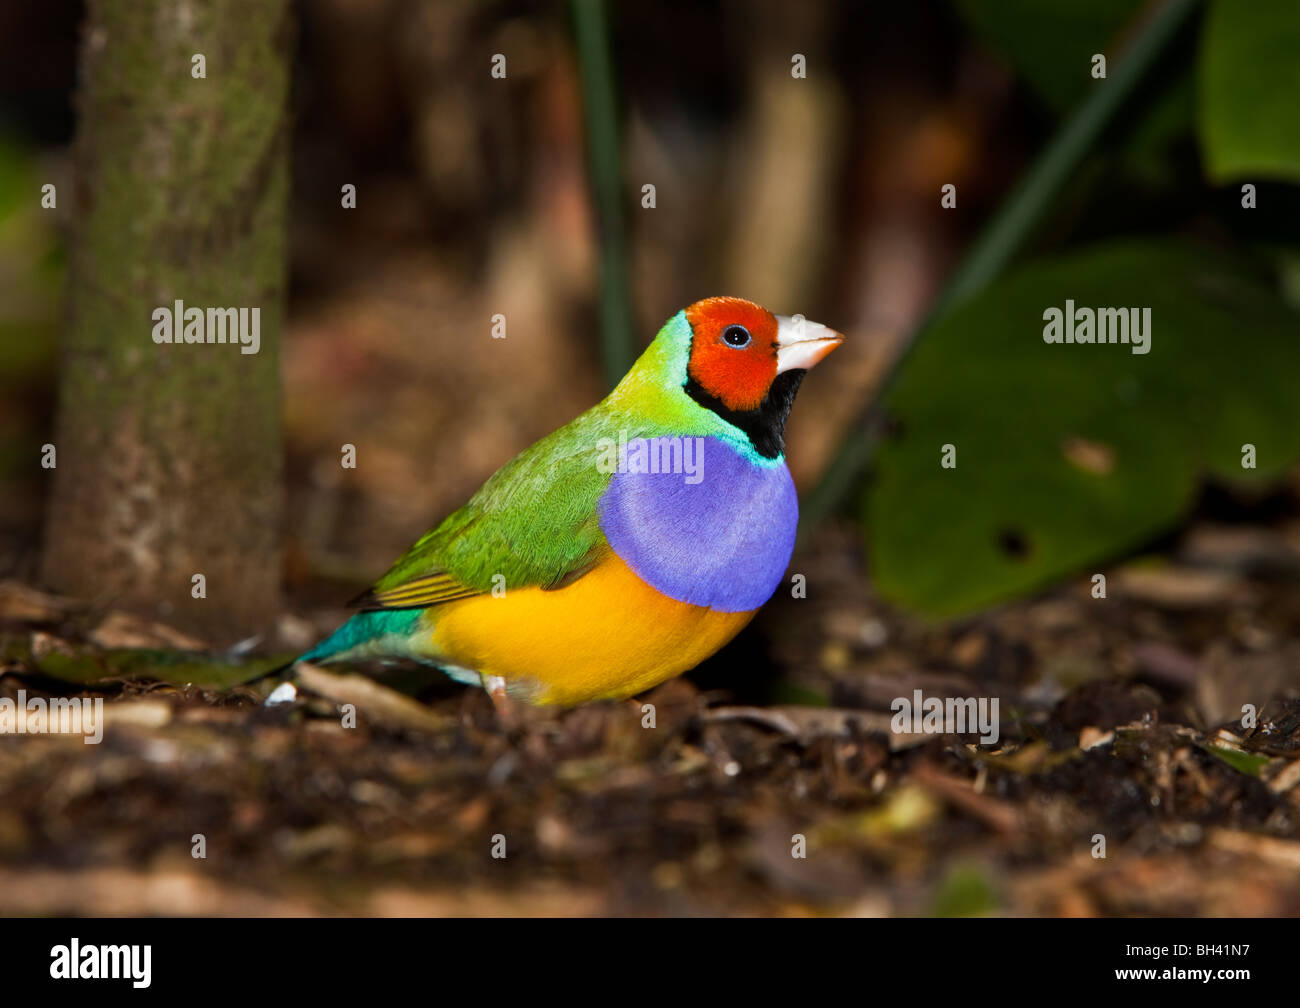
(1004, 235)
(607, 182)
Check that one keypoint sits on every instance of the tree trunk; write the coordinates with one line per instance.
(169, 455)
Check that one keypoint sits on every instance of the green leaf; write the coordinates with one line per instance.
(1250, 79)
(1249, 764)
(179, 668)
(1050, 44)
(1069, 455)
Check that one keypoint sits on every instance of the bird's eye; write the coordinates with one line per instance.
(735, 336)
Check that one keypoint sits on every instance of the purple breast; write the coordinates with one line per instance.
(718, 532)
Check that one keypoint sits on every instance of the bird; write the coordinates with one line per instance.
(625, 547)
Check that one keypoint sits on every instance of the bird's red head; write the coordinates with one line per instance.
(739, 348)
(746, 364)
(733, 350)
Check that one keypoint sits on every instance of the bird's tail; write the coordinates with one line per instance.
(321, 652)
(354, 638)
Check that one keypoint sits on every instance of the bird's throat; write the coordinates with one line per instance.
(764, 425)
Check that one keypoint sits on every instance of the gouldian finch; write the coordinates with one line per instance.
(625, 547)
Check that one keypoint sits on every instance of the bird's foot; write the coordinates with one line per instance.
(508, 712)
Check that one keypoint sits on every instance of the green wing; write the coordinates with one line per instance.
(534, 523)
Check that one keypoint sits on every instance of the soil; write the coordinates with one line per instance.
(771, 781)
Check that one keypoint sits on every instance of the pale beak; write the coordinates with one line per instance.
(800, 344)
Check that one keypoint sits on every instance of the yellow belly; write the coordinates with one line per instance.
(607, 635)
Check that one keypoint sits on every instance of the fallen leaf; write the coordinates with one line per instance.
(122, 630)
(1091, 737)
(1176, 587)
(60, 659)
(21, 603)
(1249, 764)
(372, 700)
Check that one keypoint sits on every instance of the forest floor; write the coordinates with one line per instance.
(1120, 734)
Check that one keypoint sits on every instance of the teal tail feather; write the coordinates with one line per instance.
(365, 628)
(383, 630)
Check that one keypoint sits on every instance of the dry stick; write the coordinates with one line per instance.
(1002, 238)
